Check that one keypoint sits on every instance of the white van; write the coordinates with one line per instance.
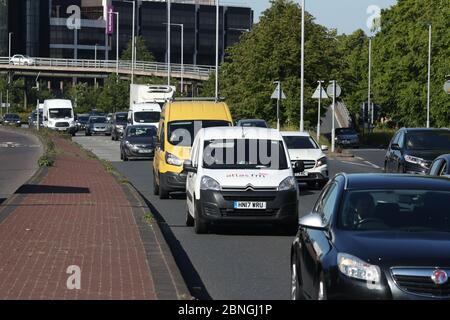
(145, 113)
(58, 115)
(241, 174)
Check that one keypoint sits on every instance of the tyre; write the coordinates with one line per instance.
(125, 158)
(155, 186)
(296, 289)
(189, 220)
(311, 184)
(321, 184)
(163, 193)
(121, 155)
(200, 225)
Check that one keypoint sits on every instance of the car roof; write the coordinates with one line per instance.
(370, 181)
(197, 110)
(295, 134)
(425, 129)
(240, 133)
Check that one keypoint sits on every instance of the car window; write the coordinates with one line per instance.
(401, 140)
(428, 140)
(326, 205)
(297, 142)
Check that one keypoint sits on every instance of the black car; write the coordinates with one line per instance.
(138, 142)
(11, 119)
(82, 121)
(375, 237)
(347, 137)
(441, 166)
(97, 125)
(413, 150)
(118, 125)
(252, 123)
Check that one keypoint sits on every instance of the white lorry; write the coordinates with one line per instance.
(146, 103)
(58, 115)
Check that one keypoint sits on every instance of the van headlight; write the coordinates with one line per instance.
(288, 184)
(173, 160)
(321, 162)
(209, 183)
(354, 267)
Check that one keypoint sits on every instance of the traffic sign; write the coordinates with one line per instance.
(447, 87)
(331, 93)
(316, 94)
(276, 93)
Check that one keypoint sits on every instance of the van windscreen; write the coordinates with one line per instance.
(147, 117)
(60, 113)
(182, 133)
(244, 154)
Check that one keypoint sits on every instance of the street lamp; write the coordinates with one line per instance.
(318, 117)
(182, 52)
(302, 75)
(217, 52)
(429, 74)
(168, 42)
(117, 42)
(133, 40)
(369, 106)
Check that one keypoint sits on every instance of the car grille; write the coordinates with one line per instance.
(248, 213)
(309, 164)
(249, 196)
(418, 281)
(145, 146)
(61, 125)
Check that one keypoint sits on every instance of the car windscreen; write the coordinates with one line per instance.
(83, 119)
(244, 154)
(428, 140)
(122, 118)
(296, 142)
(60, 113)
(147, 117)
(346, 132)
(11, 117)
(182, 133)
(396, 210)
(97, 120)
(141, 132)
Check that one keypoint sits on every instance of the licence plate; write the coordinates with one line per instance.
(301, 174)
(145, 151)
(250, 205)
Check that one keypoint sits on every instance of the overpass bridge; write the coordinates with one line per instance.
(81, 68)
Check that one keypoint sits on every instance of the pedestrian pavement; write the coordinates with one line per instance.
(74, 232)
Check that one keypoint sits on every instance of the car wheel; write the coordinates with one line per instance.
(189, 220)
(321, 290)
(296, 289)
(321, 185)
(155, 186)
(311, 184)
(121, 155)
(163, 193)
(200, 225)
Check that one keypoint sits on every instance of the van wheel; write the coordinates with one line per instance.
(163, 193)
(189, 220)
(200, 225)
(155, 186)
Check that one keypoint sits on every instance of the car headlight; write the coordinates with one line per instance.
(415, 160)
(321, 162)
(288, 184)
(130, 145)
(354, 267)
(209, 183)
(173, 160)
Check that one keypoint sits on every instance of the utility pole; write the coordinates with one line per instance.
(333, 126)
(95, 65)
(9, 47)
(369, 81)
(318, 116)
(429, 75)
(302, 75)
(217, 51)
(168, 43)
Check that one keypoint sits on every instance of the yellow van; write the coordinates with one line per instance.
(180, 122)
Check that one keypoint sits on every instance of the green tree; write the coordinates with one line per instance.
(115, 95)
(142, 51)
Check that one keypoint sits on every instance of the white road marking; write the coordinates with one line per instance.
(373, 165)
(365, 165)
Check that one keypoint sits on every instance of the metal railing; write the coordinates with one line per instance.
(188, 70)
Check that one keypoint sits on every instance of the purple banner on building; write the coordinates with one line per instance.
(110, 20)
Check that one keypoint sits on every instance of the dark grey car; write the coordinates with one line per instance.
(118, 125)
(138, 142)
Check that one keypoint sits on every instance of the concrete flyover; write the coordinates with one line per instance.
(102, 68)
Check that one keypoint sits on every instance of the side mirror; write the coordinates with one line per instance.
(298, 167)
(312, 221)
(187, 166)
(324, 148)
(395, 146)
(45, 119)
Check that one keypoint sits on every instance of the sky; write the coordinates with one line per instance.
(344, 15)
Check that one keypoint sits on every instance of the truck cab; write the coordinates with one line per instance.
(144, 113)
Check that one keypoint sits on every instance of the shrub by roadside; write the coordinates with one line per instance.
(380, 138)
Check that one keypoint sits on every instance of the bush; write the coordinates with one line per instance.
(380, 138)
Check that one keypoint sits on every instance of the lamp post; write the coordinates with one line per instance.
(429, 75)
(117, 43)
(182, 52)
(302, 72)
(217, 52)
(370, 87)
(168, 42)
(133, 40)
(318, 116)
(9, 47)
